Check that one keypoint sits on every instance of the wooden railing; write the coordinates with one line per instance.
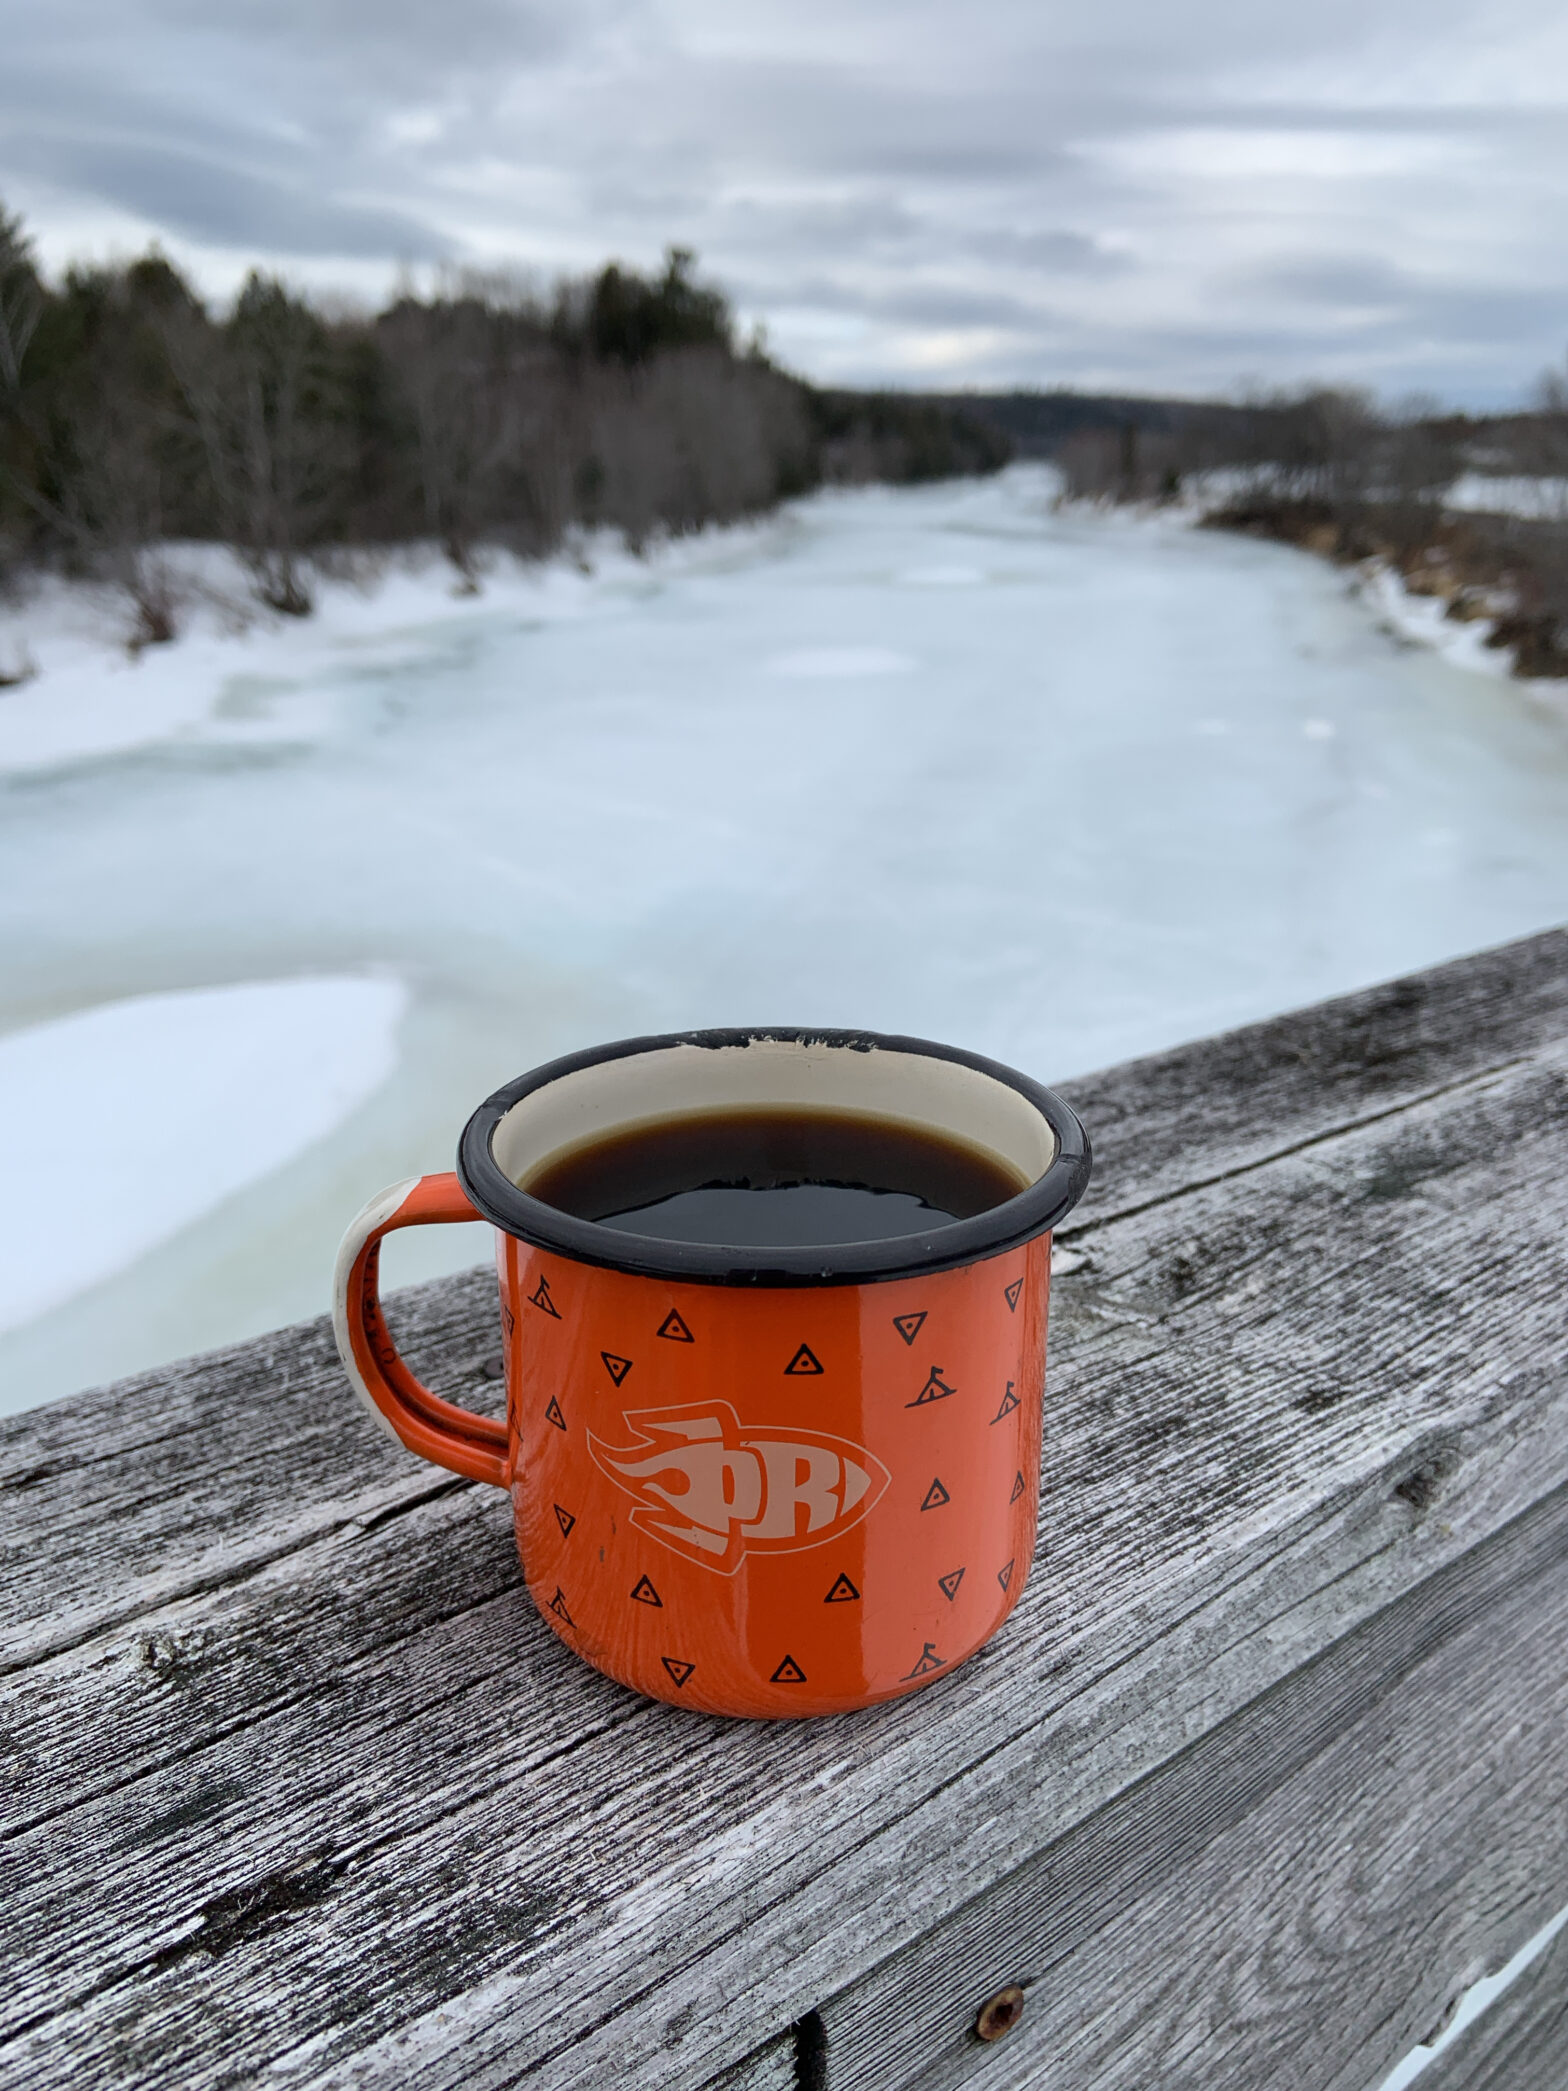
(1269, 1765)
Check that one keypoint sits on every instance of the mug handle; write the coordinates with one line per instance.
(437, 1430)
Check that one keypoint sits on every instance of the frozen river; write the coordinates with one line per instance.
(1060, 787)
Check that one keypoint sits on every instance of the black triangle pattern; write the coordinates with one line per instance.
(509, 1319)
(929, 1661)
(645, 1593)
(558, 1606)
(948, 1584)
(935, 1389)
(909, 1325)
(565, 1520)
(804, 1360)
(788, 1672)
(1018, 1488)
(540, 1298)
(553, 1414)
(936, 1495)
(674, 1329)
(1009, 1403)
(1013, 1291)
(1005, 1575)
(842, 1593)
(616, 1367)
(678, 1670)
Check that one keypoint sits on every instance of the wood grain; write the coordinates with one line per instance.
(192, 1478)
(1161, 1125)
(1394, 1810)
(297, 1783)
(770, 2068)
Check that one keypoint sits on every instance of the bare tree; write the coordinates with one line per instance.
(21, 303)
(1547, 438)
(462, 372)
(1124, 462)
(258, 393)
(97, 436)
(691, 436)
(486, 414)
(110, 508)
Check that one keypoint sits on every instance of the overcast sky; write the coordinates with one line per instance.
(1161, 195)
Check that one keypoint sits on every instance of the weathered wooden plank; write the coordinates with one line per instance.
(289, 1460)
(1435, 1851)
(1316, 1937)
(770, 2068)
(422, 1845)
(1182, 1118)
(144, 1496)
(588, 1680)
(188, 1479)
(1520, 2042)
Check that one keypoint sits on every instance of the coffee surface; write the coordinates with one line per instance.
(775, 1179)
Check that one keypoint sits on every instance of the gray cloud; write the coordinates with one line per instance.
(1054, 253)
(255, 50)
(905, 191)
(1365, 314)
(195, 195)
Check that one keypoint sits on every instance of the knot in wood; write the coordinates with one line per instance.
(999, 2014)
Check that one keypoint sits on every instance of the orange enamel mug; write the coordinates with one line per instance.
(758, 1481)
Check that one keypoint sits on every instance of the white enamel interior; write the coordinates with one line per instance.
(940, 1096)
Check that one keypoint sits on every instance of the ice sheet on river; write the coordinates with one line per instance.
(1060, 787)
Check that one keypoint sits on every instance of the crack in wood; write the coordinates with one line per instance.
(225, 1920)
(164, 1655)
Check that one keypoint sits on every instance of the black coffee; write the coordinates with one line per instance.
(775, 1179)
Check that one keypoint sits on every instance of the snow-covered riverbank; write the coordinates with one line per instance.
(1063, 787)
(239, 673)
(1480, 598)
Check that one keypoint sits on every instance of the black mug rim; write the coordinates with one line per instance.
(1034, 1211)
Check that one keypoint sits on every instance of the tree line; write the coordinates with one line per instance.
(132, 414)
(1332, 471)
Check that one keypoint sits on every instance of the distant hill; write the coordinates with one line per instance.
(1037, 424)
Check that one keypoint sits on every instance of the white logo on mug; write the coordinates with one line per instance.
(715, 1489)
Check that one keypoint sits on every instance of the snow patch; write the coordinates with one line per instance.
(122, 1124)
(1423, 620)
(240, 674)
(1535, 497)
(1479, 1997)
(1538, 499)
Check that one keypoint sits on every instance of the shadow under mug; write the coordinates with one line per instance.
(758, 1481)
